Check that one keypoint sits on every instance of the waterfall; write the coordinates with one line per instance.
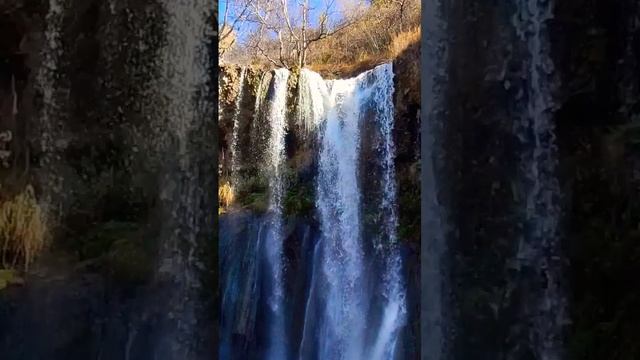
(540, 248)
(274, 242)
(257, 131)
(344, 329)
(342, 296)
(311, 100)
(239, 278)
(394, 306)
(235, 162)
(260, 93)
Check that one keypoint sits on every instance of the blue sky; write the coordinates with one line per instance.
(222, 4)
(314, 4)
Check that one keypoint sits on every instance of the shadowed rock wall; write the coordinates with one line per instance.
(114, 126)
(474, 94)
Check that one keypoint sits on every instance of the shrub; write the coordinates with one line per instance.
(22, 230)
(299, 200)
(225, 195)
(351, 64)
(377, 37)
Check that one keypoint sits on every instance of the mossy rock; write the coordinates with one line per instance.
(98, 241)
(119, 250)
(256, 78)
(409, 220)
(258, 202)
(299, 200)
(254, 193)
(129, 261)
(9, 277)
(292, 91)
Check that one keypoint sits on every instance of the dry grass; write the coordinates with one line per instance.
(22, 230)
(365, 61)
(377, 38)
(403, 41)
(226, 195)
(397, 46)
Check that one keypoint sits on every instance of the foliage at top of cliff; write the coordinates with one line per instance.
(333, 38)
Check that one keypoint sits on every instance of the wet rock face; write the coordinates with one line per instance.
(75, 317)
(478, 166)
(600, 102)
(111, 162)
(407, 139)
(243, 325)
(475, 92)
(21, 25)
(99, 89)
(103, 103)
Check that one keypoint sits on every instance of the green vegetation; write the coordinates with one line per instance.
(292, 91)
(116, 249)
(409, 210)
(299, 200)
(256, 201)
(129, 261)
(628, 134)
(9, 277)
(254, 193)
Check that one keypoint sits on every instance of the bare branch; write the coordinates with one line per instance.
(284, 38)
(285, 13)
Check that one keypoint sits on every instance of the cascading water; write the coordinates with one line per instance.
(235, 162)
(340, 270)
(343, 295)
(257, 127)
(260, 93)
(311, 100)
(273, 245)
(342, 324)
(540, 247)
(395, 306)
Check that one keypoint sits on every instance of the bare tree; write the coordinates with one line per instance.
(236, 13)
(284, 30)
